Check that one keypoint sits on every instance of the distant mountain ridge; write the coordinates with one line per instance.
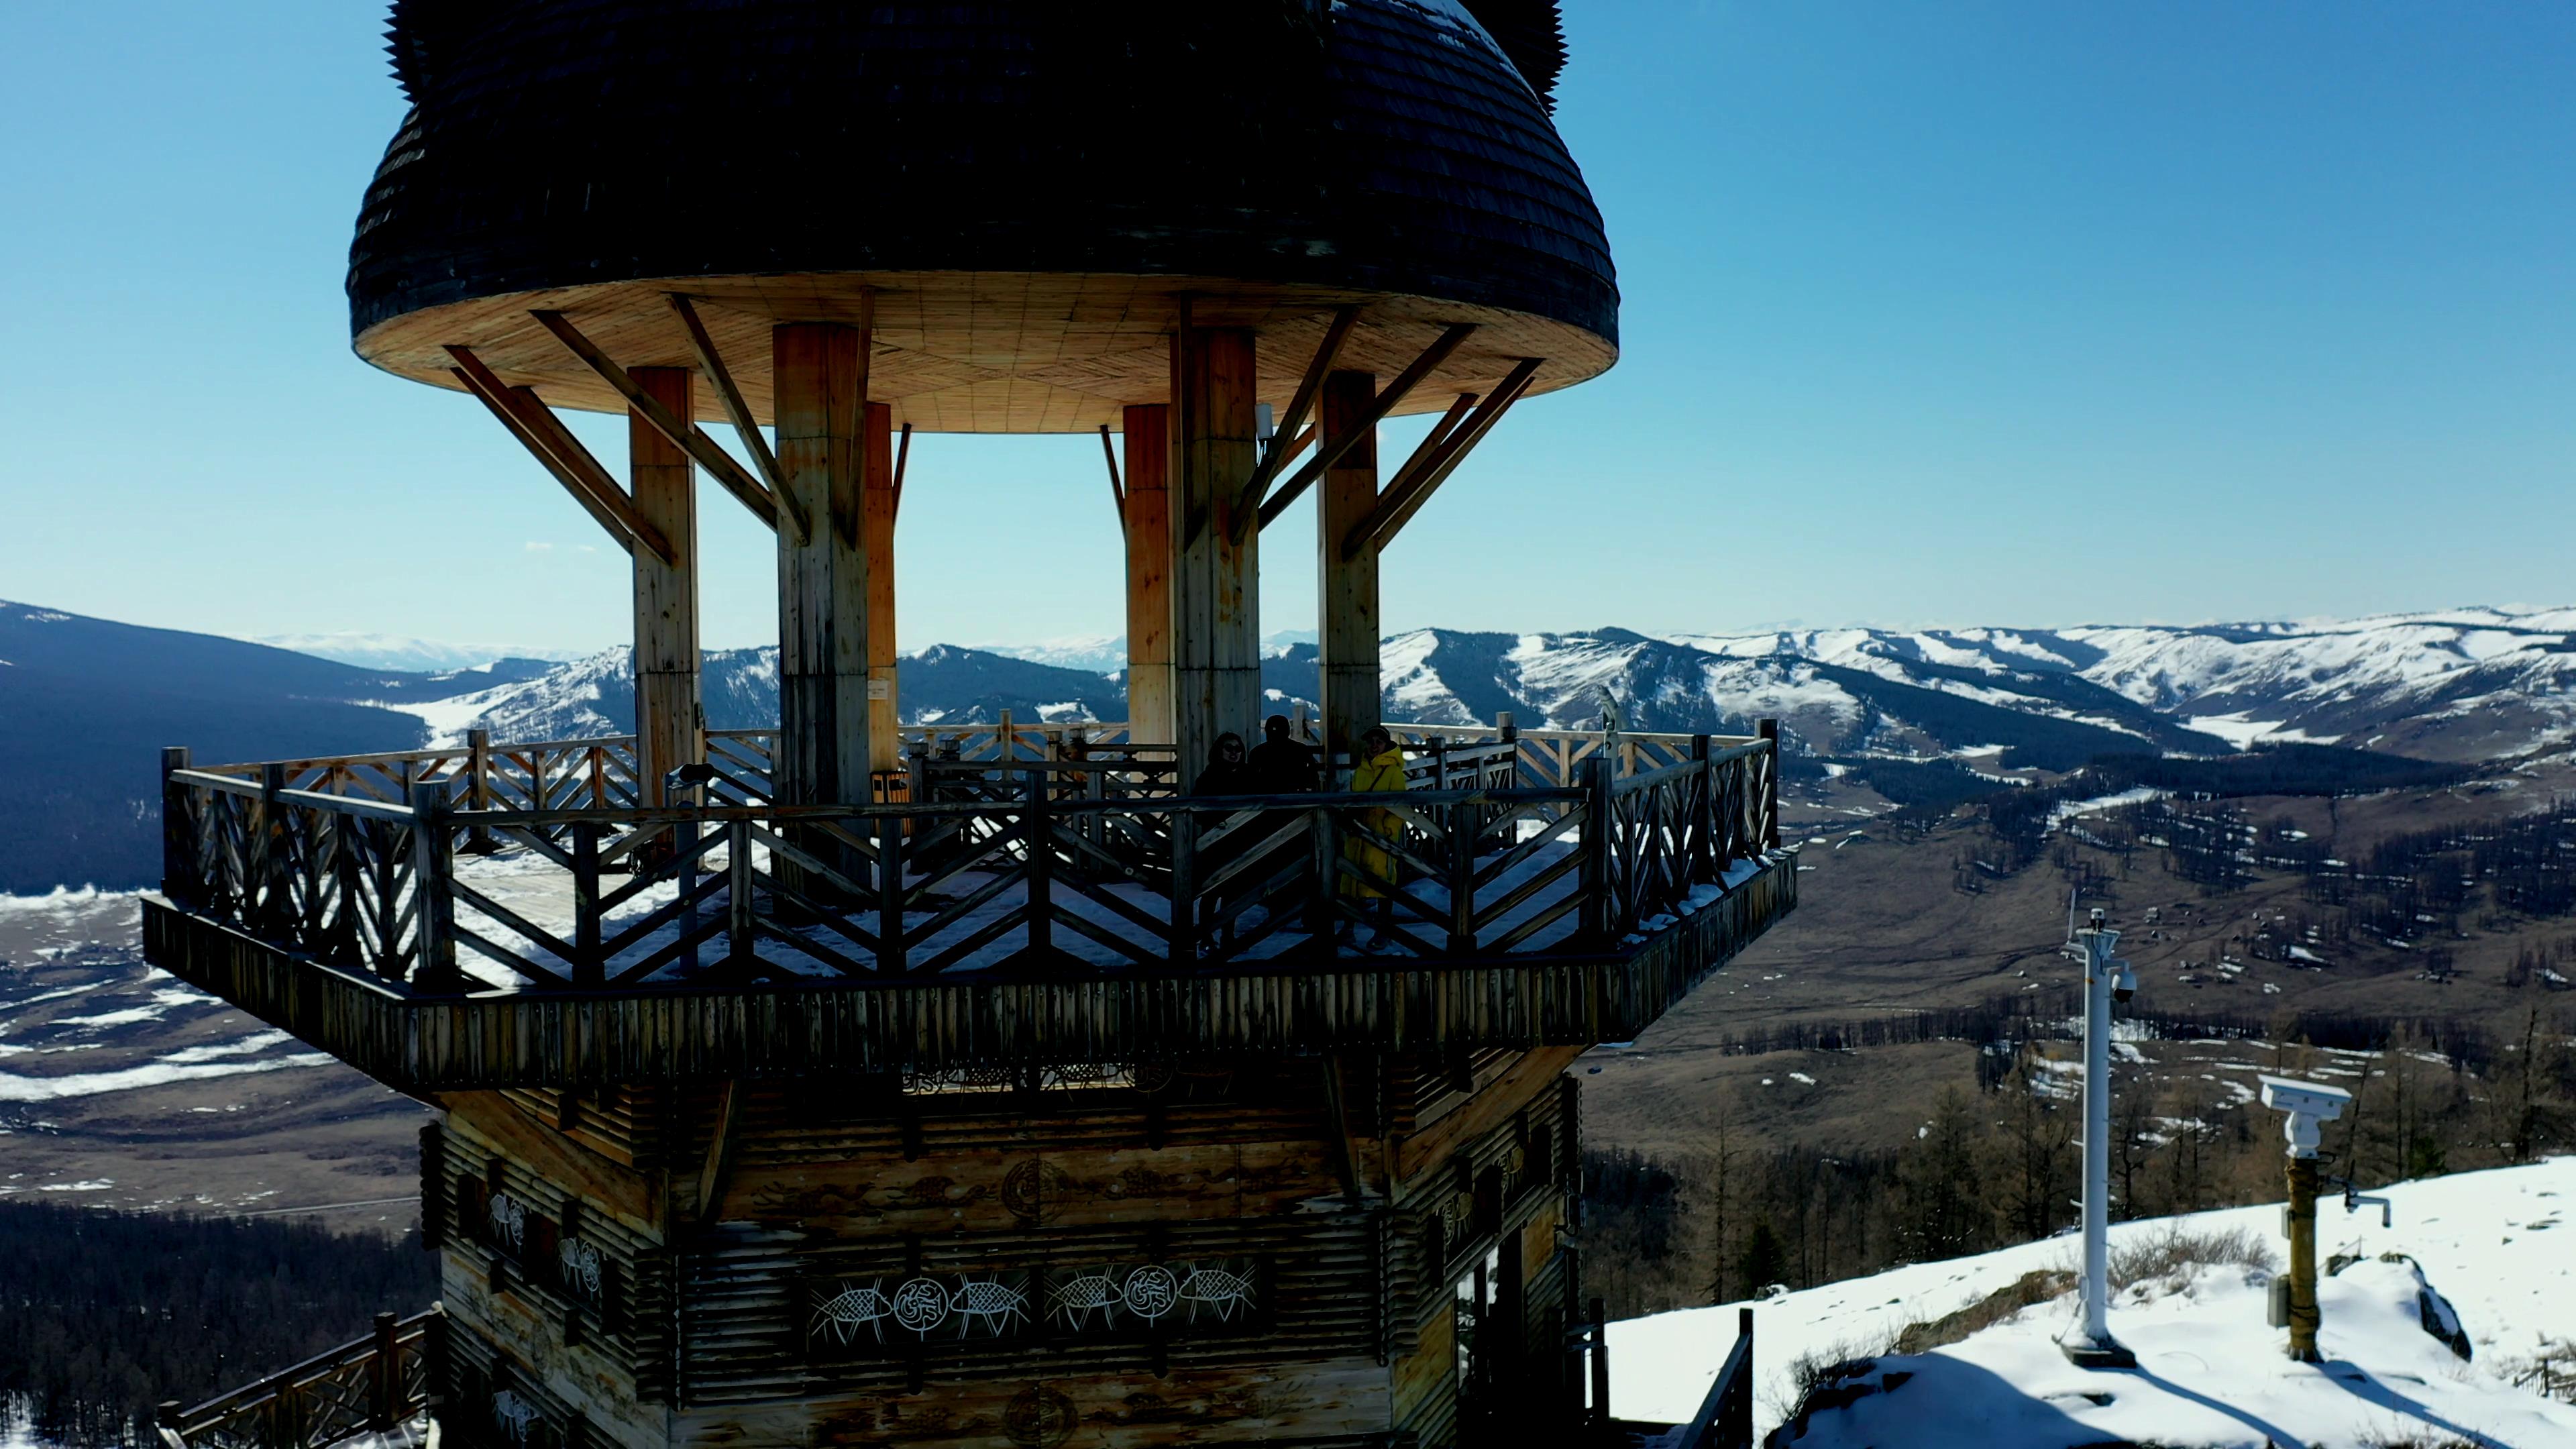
(85, 704)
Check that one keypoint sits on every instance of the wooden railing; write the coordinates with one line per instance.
(371, 1385)
(1078, 856)
(1725, 1417)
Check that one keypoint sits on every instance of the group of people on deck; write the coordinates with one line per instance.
(1281, 765)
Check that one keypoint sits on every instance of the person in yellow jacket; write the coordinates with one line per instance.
(1379, 766)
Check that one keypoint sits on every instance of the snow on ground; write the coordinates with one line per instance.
(2246, 733)
(2497, 1245)
(2072, 809)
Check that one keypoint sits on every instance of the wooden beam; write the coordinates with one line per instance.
(877, 502)
(1331, 450)
(1216, 599)
(823, 745)
(1398, 506)
(902, 464)
(686, 435)
(1346, 594)
(544, 435)
(737, 411)
(719, 1158)
(1247, 503)
(1430, 448)
(1146, 519)
(1117, 494)
(669, 697)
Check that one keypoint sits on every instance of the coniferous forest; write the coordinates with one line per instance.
(105, 1314)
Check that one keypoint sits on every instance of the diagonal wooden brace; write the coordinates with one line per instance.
(545, 437)
(1415, 485)
(1365, 426)
(738, 411)
(1303, 403)
(684, 435)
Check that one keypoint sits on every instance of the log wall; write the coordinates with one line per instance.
(749, 1289)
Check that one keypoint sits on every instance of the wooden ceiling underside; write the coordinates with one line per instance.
(980, 352)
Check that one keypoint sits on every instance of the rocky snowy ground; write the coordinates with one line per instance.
(2496, 1246)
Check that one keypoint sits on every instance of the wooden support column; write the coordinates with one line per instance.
(876, 541)
(670, 720)
(1346, 586)
(1146, 513)
(1216, 591)
(821, 380)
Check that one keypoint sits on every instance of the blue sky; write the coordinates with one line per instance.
(1943, 314)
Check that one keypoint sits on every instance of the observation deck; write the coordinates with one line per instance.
(1028, 899)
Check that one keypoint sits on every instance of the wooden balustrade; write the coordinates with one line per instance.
(1047, 855)
(371, 1385)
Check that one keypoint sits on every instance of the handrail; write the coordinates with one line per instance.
(1725, 1417)
(373, 1383)
(997, 862)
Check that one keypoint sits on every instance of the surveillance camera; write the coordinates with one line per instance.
(2097, 915)
(2308, 1099)
(2124, 983)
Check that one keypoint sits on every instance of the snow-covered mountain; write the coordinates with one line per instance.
(2458, 684)
(2210, 1372)
(2469, 685)
(409, 655)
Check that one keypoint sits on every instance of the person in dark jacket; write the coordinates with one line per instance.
(1226, 773)
(1279, 762)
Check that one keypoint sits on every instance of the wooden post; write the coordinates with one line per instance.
(589, 967)
(384, 1378)
(2300, 1218)
(179, 883)
(1038, 829)
(1346, 588)
(270, 859)
(876, 541)
(741, 932)
(478, 783)
(824, 746)
(1770, 731)
(1593, 871)
(669, 718)
(1147, 520)
(1735, 1424)
(433, 865)
(1462, 822)
(1708, 855)
(1216, 603)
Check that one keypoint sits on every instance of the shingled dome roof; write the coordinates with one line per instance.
(1270, 158)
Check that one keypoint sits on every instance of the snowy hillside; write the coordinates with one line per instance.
(412, 656)
(2494, 1246)
(2472, 683)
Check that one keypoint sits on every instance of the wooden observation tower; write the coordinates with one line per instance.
(860, 1081)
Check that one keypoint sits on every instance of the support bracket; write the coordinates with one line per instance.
(738, 412)
(719, 1158)
(1311, 386)
(1423, 475)
(1117, 491)
(545, 437)
(684, 435)
(1329, 453)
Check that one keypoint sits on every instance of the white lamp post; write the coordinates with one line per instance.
(2106, 979)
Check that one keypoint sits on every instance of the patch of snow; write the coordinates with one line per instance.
(2210, 1371)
